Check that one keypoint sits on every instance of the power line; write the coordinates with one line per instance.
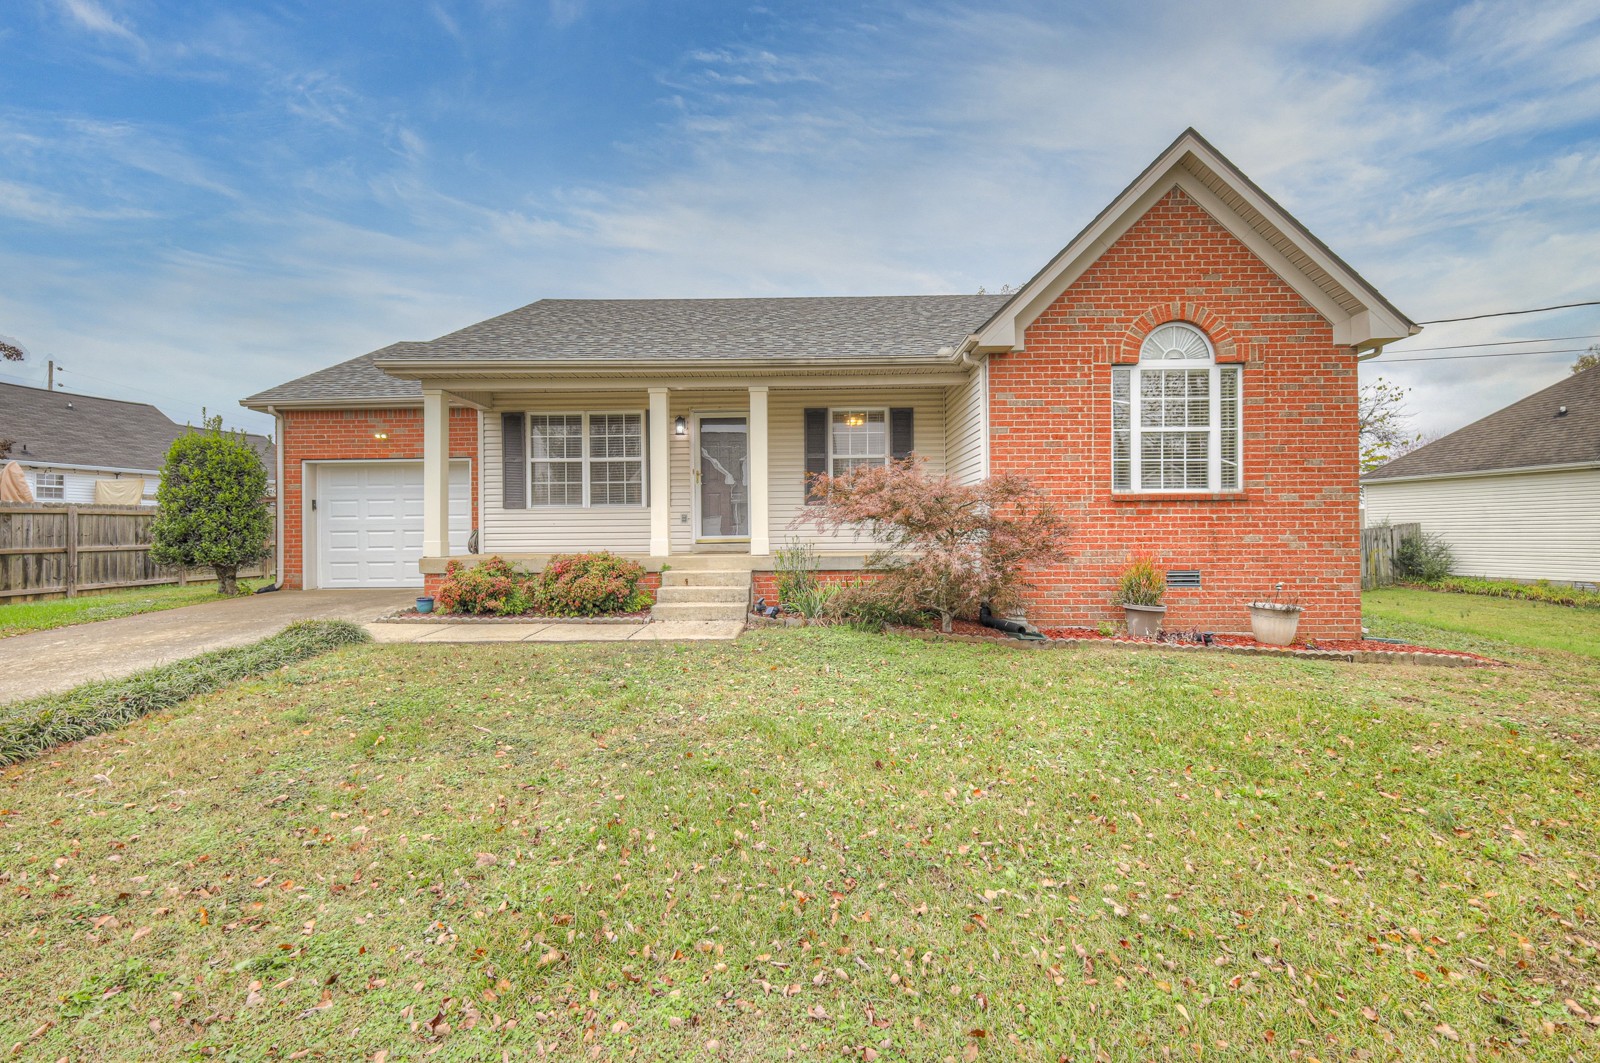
(1509, 313)
(1502, 354)
(1496, 343)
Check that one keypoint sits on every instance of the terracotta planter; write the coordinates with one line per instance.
(1274, 625)
(1144, 621)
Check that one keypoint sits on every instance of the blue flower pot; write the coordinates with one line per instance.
(424, 605)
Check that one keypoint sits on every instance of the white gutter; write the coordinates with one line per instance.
(1516, 470)
(29, 461)
(277, 500)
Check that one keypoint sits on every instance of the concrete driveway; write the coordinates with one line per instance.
(44, 662)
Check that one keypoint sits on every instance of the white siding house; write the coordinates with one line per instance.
(1516, 495)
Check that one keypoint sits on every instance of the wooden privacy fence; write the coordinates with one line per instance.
(1378, 545)
(54, 549)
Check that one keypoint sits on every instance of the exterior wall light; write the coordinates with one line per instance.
(380, 435)
(680, 427)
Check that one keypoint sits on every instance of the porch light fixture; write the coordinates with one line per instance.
(680, 427)
(380, 435)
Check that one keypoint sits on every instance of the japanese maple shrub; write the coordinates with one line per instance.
(946, 547)
(591, 585)
(491, 588)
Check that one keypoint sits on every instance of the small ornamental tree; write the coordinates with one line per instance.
(947, 547)
(210, 507)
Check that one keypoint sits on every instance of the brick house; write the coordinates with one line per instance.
(1182, 377)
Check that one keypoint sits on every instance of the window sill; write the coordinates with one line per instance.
(1180, 496)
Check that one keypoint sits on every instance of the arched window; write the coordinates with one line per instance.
(1175, 416)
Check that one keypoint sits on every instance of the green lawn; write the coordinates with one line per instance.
(1425, 614)
(818, 842)
(19, 617)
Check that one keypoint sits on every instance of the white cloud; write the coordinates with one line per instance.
(92, 16)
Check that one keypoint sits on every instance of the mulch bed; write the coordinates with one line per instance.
(411, 616)
(1365, 651)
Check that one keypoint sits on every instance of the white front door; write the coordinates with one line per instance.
(722, 477)
(369, 520)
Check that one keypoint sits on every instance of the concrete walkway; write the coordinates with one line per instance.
(660, 631)
(44, 662)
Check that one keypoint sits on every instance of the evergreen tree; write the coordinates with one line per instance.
(211, 504)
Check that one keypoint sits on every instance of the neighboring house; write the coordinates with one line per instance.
(84, 449)
(1516, 495)
(1181, 378)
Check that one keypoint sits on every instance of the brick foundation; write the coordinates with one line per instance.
(351, 435)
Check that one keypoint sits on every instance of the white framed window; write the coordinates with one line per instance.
(50, 487)
(586, 459)
(1175, 417)
(857, 437)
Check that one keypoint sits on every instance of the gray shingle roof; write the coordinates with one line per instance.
(840, 329)
(355, 379)
(68, 429)
(1525, 434)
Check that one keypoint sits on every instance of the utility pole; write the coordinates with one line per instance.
(50, 375)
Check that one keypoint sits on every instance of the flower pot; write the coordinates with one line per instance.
(425, 605)
(1144, 621)
(1274, 625)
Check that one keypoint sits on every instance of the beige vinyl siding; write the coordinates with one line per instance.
(1536, 525)
(558, 529)
(964, 427)
(627, 529)
(786, 458)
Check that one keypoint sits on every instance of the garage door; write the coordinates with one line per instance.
(370, 520)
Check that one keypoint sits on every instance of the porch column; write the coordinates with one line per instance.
(660, 444)
(435, 474)
(760, 526)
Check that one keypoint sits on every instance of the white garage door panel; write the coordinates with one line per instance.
(371, 522)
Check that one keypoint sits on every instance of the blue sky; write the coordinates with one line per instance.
(200, 200)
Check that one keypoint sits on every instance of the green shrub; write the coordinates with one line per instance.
(211, 507)
(491, 588)
(1141, 584)
(28, 728)
(1425, 557)
(591, 585)
(796, 565)
(1542, 591)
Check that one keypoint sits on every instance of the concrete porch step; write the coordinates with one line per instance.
(734, 594)
(700, 577)
(699, 610)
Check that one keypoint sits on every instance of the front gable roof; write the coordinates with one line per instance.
(1559, 426)
(1361, 317)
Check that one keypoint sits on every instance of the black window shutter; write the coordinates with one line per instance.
(816, 451)
(513, 461)
(902, 433)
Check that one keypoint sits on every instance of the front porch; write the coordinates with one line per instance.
(666, 471)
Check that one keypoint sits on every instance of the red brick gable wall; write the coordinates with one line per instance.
(1297, 519)
(351, 435)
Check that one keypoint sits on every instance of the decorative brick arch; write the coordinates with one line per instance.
(1207, 321)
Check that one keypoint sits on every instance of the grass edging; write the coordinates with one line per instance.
(1548, 593)
(28, 728)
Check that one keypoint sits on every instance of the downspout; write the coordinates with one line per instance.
(277, 505)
